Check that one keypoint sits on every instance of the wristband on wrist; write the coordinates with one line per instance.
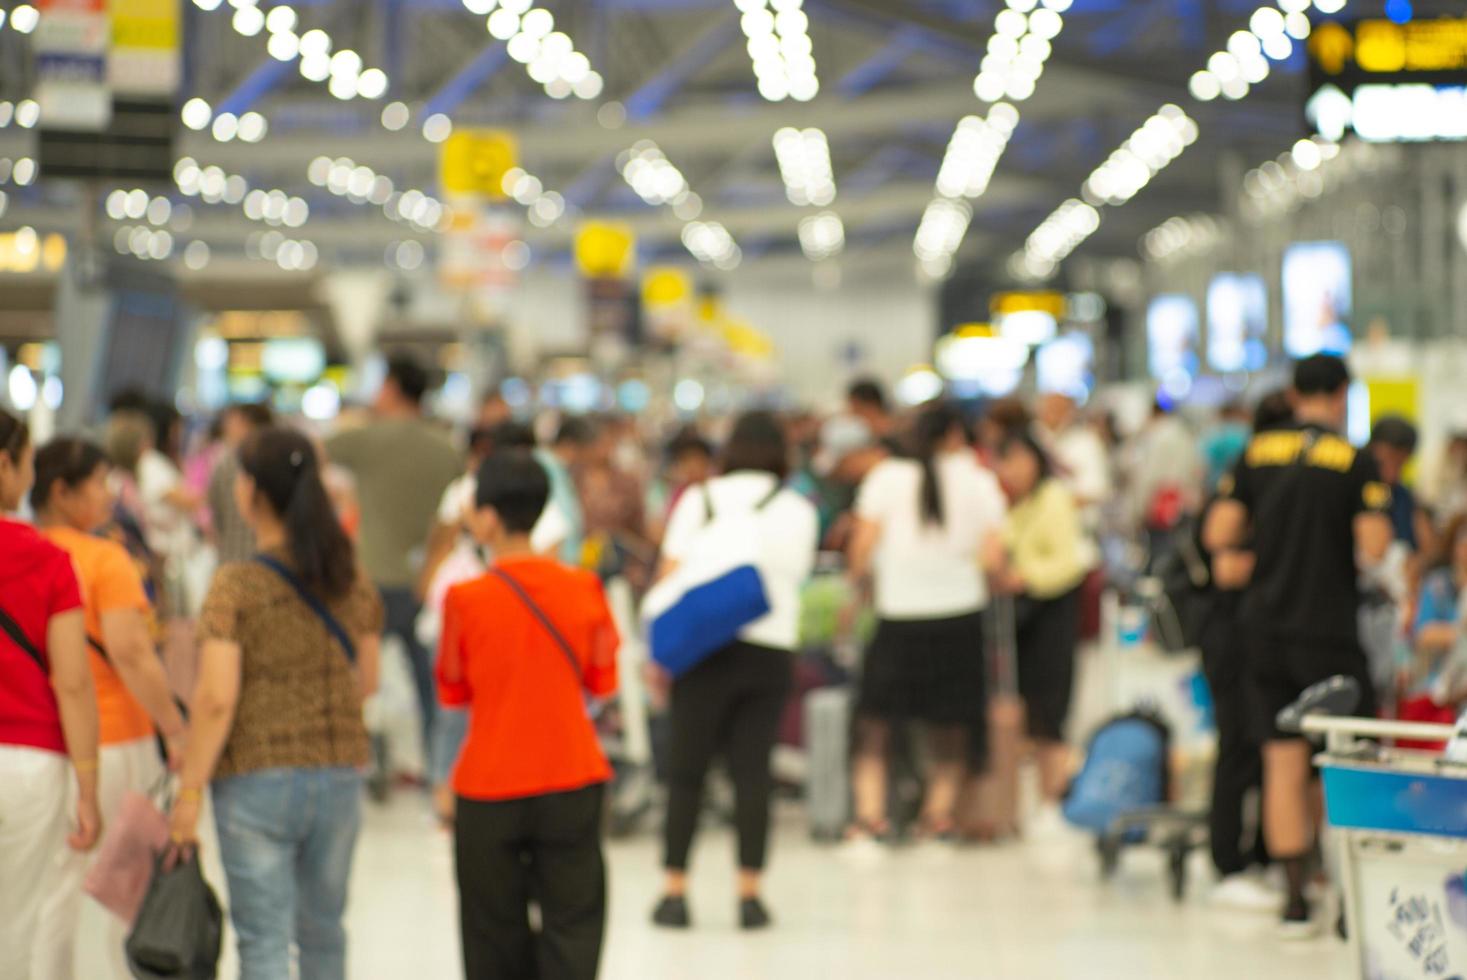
(190, 795)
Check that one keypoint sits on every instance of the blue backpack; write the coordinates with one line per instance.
(1127, 768)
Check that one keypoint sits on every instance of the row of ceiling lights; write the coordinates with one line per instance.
(779, 46)
(647, 171)
(25, 113)
(1021, 44)
(20, 172)
(345, 73)
(361, 184)
(291, 255)
(1154, 144)
(1230, 73)
(809, 180)
(711, 244)
(544, 207)
(1019, 48)
(549, 56)
(136, 205)
(1182, 236)
(804, 164)
(23, 18)
(1271, 33)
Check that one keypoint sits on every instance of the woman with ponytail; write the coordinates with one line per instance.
(921, 524)
(289, 652)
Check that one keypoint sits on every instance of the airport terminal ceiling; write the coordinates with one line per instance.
(894, 79)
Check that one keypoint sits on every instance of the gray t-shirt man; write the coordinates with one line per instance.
(401, 467)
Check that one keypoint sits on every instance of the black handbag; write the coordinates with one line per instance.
(180, 927)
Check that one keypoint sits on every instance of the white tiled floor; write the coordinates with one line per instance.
(1014, 912)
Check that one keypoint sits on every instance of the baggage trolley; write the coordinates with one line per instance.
(1399, 817)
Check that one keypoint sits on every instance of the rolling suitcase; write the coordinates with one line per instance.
(989, 809)
(828, 780)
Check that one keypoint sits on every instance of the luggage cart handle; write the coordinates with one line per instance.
(1419, 731)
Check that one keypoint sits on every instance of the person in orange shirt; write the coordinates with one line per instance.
(72, 500)
(523, 648)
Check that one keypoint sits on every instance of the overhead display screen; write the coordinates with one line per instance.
(1388, 81)
(1317, 298)
(1171, 336)
(1237, 322)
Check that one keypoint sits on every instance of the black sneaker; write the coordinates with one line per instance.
(753, 915)
(672, 913)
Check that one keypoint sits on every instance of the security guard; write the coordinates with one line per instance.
(1317, 510)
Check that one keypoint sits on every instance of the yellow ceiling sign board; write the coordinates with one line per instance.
(474, 161)
(1384, 47)
(1029, 301)
(605, 250)
(666, 286)
(150, 24)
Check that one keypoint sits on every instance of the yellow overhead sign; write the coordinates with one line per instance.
(605, 250)
(474, 161)
(1384, 47)
(149, 24)
(1029, 301)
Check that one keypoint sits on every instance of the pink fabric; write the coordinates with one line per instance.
(118, 878)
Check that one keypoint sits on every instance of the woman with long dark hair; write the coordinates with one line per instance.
(730, 703)
(72, 501)
(1039, 559)
(48, 719)
(921, 524)
(289, 652)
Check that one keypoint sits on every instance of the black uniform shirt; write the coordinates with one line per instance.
(1303, 487)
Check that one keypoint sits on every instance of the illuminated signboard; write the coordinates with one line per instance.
(1389, 82)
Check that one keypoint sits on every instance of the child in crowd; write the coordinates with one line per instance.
(523, 647)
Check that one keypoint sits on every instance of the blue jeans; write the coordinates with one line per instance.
(449, 731)
(401, 610)
(286, 838)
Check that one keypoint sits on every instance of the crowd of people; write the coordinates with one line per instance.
(216, 612)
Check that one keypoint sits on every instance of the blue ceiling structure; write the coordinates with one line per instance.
(682, 63)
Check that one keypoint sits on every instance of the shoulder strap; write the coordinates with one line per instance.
(707, 504)
(316, 605)
(538, 613)
(769, 498)
(17, 635)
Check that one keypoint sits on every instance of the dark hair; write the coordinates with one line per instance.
(1272, 412)
(1322, 374)
(1395, 432)
(933, 425)
(67, 461)
(867, 391)
(757, 443)
(14, 436)
(514, 483)
(512, 435)
(688, 440)
(1024, 439)
(257, 415)
(577, 430)
(283, 465)
(130, 399)
(408, 376)
(164, 418)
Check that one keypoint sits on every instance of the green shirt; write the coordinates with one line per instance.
(402, 467)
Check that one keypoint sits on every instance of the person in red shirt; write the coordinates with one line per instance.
(48, 712)
(523, 648)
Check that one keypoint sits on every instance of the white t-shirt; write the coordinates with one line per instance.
(167, 529)
(924, 570)
(789, 531)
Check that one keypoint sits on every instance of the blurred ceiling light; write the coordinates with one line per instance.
(196, 114)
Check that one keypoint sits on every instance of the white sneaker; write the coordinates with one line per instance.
(1244, 893)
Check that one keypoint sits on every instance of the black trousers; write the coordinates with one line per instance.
(545, 849)
(1239, 767)
(728, 705)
